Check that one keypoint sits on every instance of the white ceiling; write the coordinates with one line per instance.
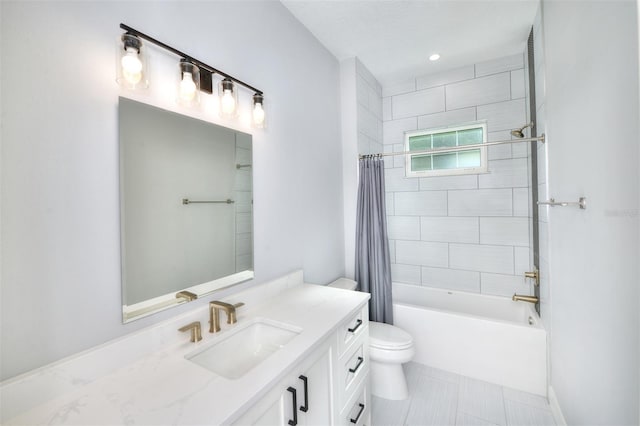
(395, 38)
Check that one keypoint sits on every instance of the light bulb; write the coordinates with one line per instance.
(258, 114)
(228, 102)
(131, 66)
(187, 87)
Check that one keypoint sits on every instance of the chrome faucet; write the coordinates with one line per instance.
(523, 298)
(214, 314)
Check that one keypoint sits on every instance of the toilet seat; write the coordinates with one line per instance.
(388, 337)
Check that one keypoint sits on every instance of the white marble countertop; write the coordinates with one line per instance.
(162, 387)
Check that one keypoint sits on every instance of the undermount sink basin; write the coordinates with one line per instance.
(244, 348)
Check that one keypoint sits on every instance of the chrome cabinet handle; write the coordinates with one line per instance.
(294, 422)
(360, 361)
(358, 324)
(359, 414)
(304, 408)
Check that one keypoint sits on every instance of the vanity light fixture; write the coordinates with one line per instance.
(434, 57)
(188, 83)
(131, 64)
(228, 96)
(195, 76)
(258, 111)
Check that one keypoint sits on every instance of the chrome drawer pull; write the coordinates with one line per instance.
(358, 324)
(359, 414)
(360, 361)
(294, 422)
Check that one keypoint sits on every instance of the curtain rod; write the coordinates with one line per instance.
(456, 148)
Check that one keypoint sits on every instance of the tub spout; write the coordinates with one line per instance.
(522, 298)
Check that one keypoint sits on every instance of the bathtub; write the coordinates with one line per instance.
(484, 337)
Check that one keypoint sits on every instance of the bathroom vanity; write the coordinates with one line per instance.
(315, 372)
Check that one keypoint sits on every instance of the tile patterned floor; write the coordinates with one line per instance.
(439, 398)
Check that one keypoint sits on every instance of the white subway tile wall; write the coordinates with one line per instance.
(447, 118)
(417, 103)
(422, 253)
(243, 190)
(512, 173)
(469, 232)
(370, 111)
(543, 182)
(452, 279)
(447, 77)
(479, 91)
(503, 115)
(449, 229)
(483, 258)
(481, 202)
(421, 203)
(495, 66)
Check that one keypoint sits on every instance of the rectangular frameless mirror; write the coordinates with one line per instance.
(186, 208)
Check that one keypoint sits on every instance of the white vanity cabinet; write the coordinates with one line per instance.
(303, 397)
(352, 371)
(330, 386)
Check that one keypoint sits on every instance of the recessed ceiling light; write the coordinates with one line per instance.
(434, 57)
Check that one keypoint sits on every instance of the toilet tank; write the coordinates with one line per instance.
(344, 283)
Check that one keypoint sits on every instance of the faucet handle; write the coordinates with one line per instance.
(184, 294)
(227, 307)
(232, 318)
(196, 333)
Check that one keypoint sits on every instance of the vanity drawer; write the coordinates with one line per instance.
(353, 328)
(357, 410)
(353, 367)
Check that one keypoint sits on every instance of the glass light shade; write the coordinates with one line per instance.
(131, 64)
(258, 113)
(228, 95)
(188, 84)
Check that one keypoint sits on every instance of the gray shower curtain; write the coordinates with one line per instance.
(373, 265)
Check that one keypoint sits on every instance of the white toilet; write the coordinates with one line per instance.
(389, 348)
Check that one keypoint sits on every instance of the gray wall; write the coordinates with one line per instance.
(60, 228)
(467, 232)
(592, 114)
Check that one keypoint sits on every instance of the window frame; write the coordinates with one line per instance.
(447, 172)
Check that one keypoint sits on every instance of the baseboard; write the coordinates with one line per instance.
(555, 408)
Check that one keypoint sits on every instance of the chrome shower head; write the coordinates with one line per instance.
(519, 133)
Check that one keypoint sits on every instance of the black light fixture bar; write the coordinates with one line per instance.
(200, 64)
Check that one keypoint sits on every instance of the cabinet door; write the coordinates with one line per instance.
(269, 411)
(313, 407)
(317, 380)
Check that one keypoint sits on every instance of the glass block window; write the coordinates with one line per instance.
(451, 158)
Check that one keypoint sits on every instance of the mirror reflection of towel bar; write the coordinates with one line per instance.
(582, 203)
(188, 201)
